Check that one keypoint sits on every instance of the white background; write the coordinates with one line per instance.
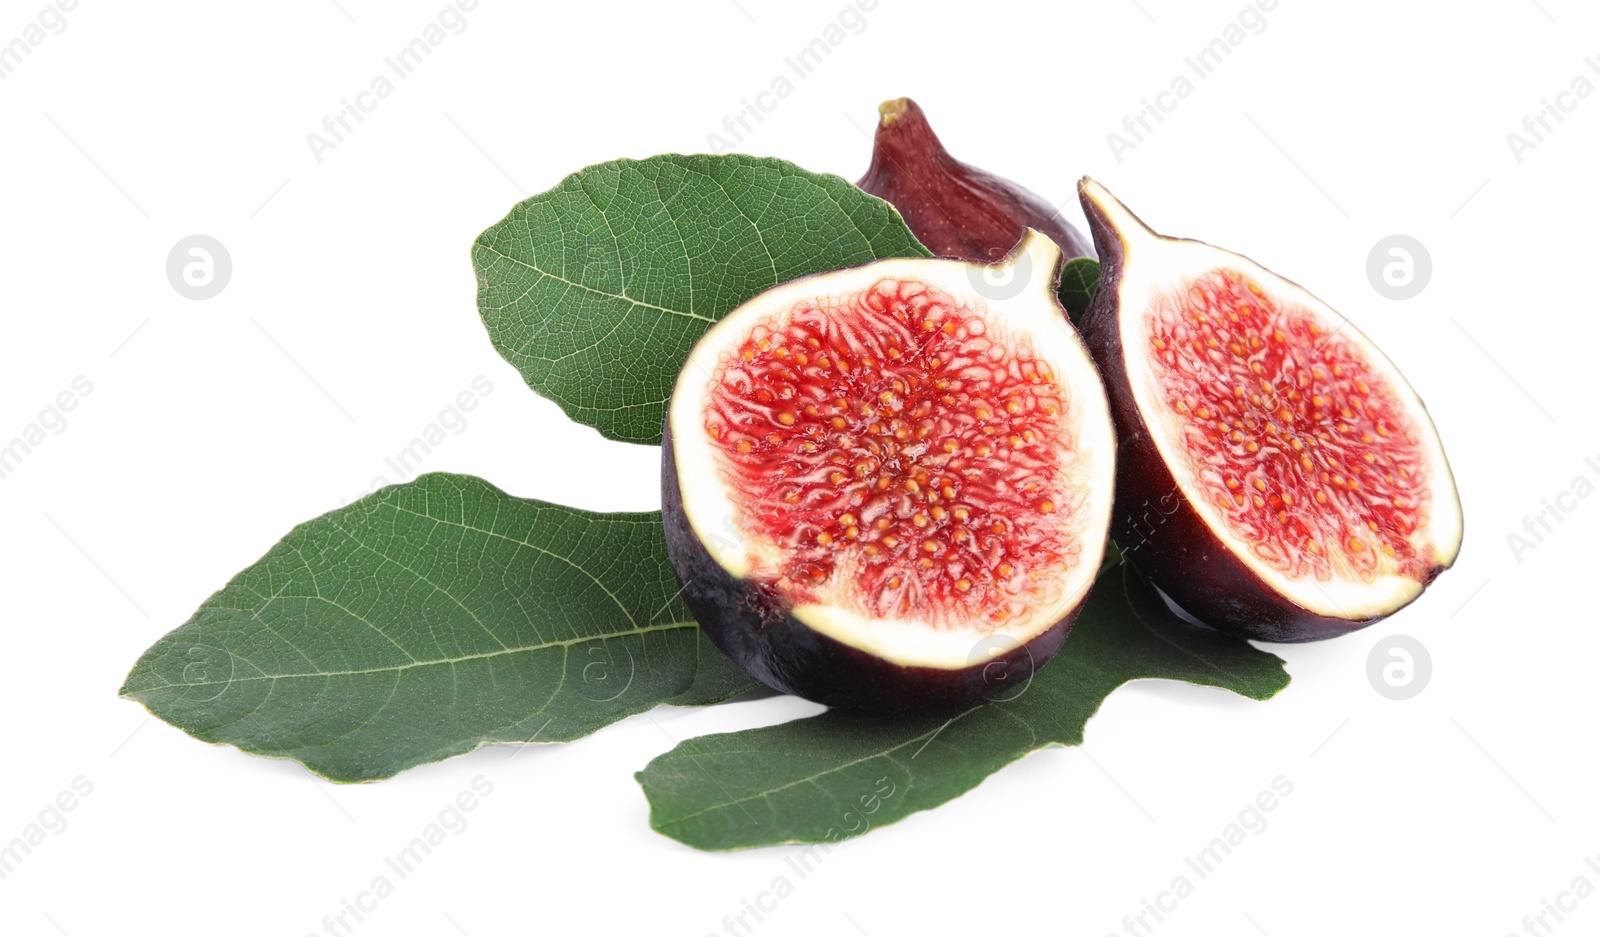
(349, 322)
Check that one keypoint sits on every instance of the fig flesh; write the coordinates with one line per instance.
(1278, 478)
(954, 209)
(889, 487)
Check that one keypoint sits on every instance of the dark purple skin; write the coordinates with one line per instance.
(753, 627)
(954, 209)
(1154, 523)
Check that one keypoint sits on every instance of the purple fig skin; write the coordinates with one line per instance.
(753, 627)
(1156, 526)
(954, 209)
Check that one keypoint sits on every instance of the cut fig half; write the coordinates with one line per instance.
(1278, 478)
(889, 486)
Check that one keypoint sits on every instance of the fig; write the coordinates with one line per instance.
(1277, 476)
(889, 487)
(954, 209)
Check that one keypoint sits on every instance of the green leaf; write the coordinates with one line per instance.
(597, 289)
(1078, 279)
(840, 774)
(429, 619)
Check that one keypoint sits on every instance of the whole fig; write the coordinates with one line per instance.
(955, 210)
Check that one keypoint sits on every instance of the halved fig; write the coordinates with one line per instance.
(955, 210)
(889, 486)
(1277, 477)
